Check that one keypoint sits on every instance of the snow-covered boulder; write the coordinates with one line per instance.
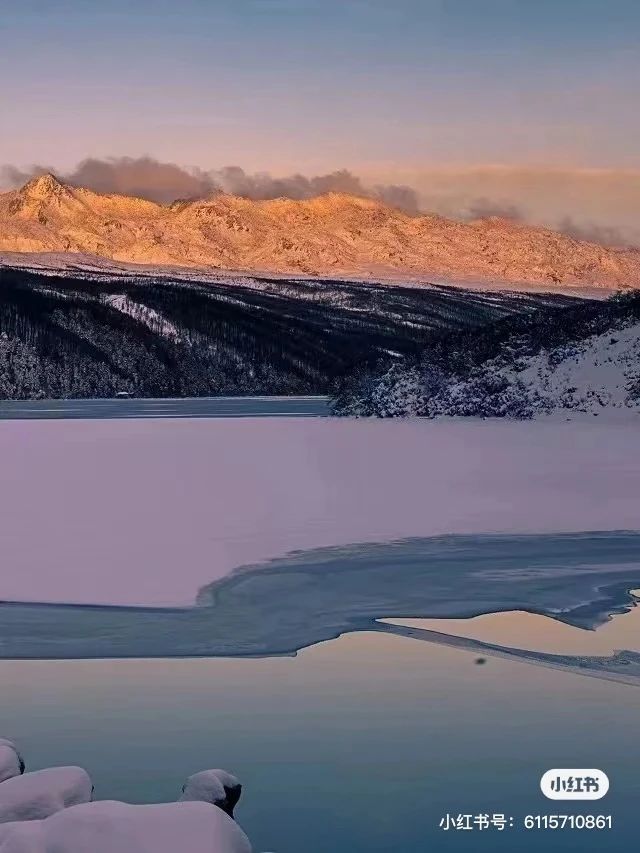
(50, 811)
(11, 763)
(213, 786)
(38, 795)
(113, 827)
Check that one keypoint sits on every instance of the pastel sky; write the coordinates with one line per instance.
(506, 106)
(319, 84)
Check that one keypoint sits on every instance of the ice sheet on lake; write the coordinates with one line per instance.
(311, 596)
(153, 516)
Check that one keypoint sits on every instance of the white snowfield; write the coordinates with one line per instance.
(113, 827)
(37, 795)
(148, 512)
(11, 763)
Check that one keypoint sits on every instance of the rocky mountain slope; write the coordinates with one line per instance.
(583, 358)
(334, 234)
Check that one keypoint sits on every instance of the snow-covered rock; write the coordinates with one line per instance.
(38, 795)
(50, 811)
(11, 763)
(213, 786)
(113, 827)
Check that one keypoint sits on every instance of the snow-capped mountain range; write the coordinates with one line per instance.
(333, 234)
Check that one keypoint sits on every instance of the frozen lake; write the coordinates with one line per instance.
(373, 548)
(307, 597)
(195, 407)
(149, 512)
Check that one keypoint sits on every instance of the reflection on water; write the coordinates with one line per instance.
(362, 744)
(534, 632)
(359, 745)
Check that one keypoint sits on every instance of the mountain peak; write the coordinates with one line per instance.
(333, 234)
(43, 186)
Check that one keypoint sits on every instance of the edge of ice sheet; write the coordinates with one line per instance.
(140, 512)
(306, 597)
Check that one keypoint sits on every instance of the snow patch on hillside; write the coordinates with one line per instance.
(143, 314)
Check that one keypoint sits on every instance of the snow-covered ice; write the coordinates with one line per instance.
(149, 512)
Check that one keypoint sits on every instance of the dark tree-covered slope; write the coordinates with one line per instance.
(581, 357)
(65, 335)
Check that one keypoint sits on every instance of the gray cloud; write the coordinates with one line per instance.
(591, 232)
(144, 177)
(161, 182)
(12, 176)
(400, 196)
(599, 205)
(606, 235)
(262, 185)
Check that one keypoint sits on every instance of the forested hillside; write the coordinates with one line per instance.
(65, 335)
(578, 358)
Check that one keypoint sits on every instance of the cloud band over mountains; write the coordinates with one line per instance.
(146, 177)
(597, 205)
